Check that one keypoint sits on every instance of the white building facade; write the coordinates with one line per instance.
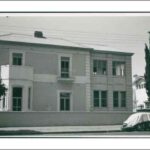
(53, 75)
(139, 93)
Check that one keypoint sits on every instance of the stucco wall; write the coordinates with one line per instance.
(113, 83)
(4, 55)
(45, 96)
(12, 119)
(46, 61)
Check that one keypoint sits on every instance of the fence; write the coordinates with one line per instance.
(14, 119)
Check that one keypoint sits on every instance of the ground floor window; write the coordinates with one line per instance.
(17, 99)
(64, 101)
(100, 98)
(119, 99)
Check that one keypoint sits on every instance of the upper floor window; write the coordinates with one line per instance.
(99, 67)
(100, 98)
(118, 68)
(17, 59)
(119, 99)
(65, 63)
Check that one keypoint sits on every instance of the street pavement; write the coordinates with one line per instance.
(58, 129)
(70, 131)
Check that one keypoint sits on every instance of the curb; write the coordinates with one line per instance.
(33, 132)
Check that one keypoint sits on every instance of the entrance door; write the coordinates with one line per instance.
(17, 99)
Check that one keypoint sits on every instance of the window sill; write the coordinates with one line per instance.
(70, 79)
(119, 108)
(118, 76)
(99, 75)
(99, 108)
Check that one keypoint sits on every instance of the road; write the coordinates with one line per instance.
(146, 133)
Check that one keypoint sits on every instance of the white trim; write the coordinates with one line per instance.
(58, 100)
(51, 78)
(70, 63)
(45, 78)
(88, 82)
(16, 51)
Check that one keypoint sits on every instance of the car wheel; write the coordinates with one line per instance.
(140, 127)
(147, 126)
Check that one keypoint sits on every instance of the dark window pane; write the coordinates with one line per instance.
(115, 99)
(96, 94)
(104, 98)
(64, 67)
(123, 99)
(114, 71)
(17, 104)
(17, 92)
(17, 99)
(94, 66)
(65, 101)
(96, 102)
(67, 104)
(99, 66)
(17, 59)
(62, 104)
(96, 98)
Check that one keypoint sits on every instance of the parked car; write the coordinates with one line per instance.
(137, 122)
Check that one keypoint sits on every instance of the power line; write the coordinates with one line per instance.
(70, 31)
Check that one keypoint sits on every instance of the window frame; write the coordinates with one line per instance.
(114, 72)
(120, 100)
(65, 71)
(17, 98)
(11, 57)
(17, 60)
(98, 66)
(70, 64)
(58, 100)
(100, 99)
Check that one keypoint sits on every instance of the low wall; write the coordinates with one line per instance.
(14, 119)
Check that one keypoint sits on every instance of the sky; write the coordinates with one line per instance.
(126, 32)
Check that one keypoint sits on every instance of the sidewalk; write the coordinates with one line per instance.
(58, 129)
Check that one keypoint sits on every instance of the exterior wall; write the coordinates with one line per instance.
(24, 119)
(50, 59)
(112, 83)
(25, 85)
(4, 55)
(43, 73)
(43, 77)
(47, 98)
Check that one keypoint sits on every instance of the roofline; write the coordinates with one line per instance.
(27, 43)
(72, 47)
(113, 52)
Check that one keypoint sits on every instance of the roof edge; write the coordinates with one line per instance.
(113, 52)
(75, 47)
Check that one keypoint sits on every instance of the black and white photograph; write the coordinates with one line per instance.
(74, 74)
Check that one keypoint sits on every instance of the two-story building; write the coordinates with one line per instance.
(57, 75)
